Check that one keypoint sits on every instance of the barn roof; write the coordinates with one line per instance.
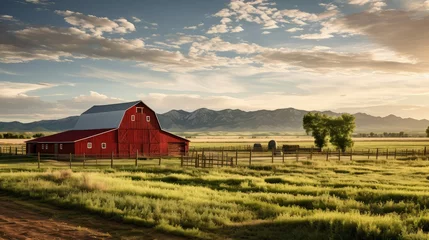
(111, 107)
(70, 136)
(103, 116)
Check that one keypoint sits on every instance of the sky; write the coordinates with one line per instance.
(58, 57)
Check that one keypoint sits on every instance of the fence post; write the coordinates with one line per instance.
(395, 154)
(376, 155)
(160, 161)
(351, 154)
(327, 154)
(387, 153)
(196, 160)
(311, 153)
(83, 160)
(0, 150)
(111, 160)
(369, 152)
(250, 158)
(70, 161)
(283, 156)
(424, 152)
(236, 157)
(339, 154)
(297, 155)
(16, 150)
(38, 160)
(272, 155)
(10, 150)
(137, 157)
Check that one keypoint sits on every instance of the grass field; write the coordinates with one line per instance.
(318, 199)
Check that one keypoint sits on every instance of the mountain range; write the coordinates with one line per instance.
(280, 120)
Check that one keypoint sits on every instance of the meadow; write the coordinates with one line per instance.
(317, 199)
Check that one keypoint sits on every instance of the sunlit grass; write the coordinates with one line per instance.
(296, 200)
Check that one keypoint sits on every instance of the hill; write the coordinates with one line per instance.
(285, 120)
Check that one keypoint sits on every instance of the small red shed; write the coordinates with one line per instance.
(121, 129)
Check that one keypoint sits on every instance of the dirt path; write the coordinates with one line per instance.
(30, 220)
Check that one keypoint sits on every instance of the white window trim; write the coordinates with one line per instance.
(133, 118)
(46, 146)
(137, 109)
(61, 146)
(147, 118)
(89, 145)
(103, 145)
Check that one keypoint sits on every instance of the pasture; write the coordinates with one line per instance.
(305, 199)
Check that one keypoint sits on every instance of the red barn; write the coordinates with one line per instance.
(121, 129)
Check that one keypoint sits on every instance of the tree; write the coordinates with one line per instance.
(316, 123)
(340, 131)
(427, 132)
(37, 135)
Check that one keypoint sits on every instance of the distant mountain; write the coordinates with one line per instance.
(285, 120)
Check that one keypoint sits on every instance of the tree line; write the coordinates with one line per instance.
(20, 136)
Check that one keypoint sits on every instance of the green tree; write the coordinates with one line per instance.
(340, 131)
(427, 132)
(316, 124)
(37, 135)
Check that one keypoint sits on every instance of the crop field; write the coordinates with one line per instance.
(306, 199)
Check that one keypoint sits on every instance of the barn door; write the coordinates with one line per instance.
(154, 142)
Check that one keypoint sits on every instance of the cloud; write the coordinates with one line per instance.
(7, 18)
(329, 61)
(190, 28)
(395, 29)
(14, 89)
(374, 5)
(39, 2)
(182, 82)
(294, 29)
(96, 25)
(2, 71)
(136, 20)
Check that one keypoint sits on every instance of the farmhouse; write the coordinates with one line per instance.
(123, 129)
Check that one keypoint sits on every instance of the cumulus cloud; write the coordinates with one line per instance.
(374, 5)
(96, 25)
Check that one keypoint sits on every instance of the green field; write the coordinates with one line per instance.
(318, 199)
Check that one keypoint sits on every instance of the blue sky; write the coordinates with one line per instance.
(58, 58)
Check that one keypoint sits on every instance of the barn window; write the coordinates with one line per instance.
(133, 118)
(61, 147)
(147, 118)
(139, 110)
(89, 145)
(46, 146)
(103, 145)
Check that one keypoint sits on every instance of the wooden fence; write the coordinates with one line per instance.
(213, 157)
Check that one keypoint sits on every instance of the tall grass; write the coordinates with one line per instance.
(312, 200)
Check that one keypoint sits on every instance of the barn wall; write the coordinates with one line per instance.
(110, 138)
(139, 135)
(168, 139)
